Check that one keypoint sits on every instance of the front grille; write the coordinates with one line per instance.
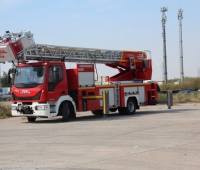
(37, 97)
(27, 103)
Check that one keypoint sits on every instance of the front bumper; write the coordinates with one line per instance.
(31, 110)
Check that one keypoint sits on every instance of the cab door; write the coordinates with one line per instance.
(56, 83)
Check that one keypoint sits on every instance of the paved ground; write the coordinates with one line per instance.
(154, 138)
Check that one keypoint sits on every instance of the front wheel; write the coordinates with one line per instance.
(31, 119)
(65, 112)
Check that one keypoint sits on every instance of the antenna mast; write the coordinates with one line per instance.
(164, 20)
(180, 17)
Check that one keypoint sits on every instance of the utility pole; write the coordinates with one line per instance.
(180, 17)
(164, 20)
(163, 71)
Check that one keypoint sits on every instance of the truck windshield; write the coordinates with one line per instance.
(29, 76)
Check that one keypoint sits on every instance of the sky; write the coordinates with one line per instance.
(111, 24)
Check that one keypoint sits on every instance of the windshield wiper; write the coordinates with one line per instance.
(27, 84)
(31, 82)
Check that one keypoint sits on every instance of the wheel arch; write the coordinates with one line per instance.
(61, 100)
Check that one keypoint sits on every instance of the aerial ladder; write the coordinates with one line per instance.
(20, 47)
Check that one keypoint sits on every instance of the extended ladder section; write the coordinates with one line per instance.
(21, 46)
(70, 54)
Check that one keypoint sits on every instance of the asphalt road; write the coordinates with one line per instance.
(154, 138)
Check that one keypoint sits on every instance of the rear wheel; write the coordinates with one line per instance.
(130, 109)
(121, 110)
(113, 109)
(65, 112)
(131, 106)
(97, 112)
(31, 119)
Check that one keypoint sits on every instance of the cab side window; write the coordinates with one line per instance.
(55, 70)
(55, 76)
(60, 73)
(50, 79)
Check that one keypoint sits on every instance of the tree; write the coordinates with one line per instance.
(4, 82)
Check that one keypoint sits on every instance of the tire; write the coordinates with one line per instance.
(72, 113)
(113, 109)
(65, 112)
(130, 109)
(31, 119)
(122, 110)
(97, 112)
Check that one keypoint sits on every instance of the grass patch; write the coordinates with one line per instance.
(189, 82)
(193, 97)
(5, 111)
(162, 96)
(6, 99)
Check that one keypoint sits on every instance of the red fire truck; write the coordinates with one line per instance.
(42, 86)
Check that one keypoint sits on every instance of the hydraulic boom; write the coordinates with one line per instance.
(21, 47)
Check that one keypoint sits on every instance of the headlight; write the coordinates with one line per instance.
(44, 107)
(14, 107)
